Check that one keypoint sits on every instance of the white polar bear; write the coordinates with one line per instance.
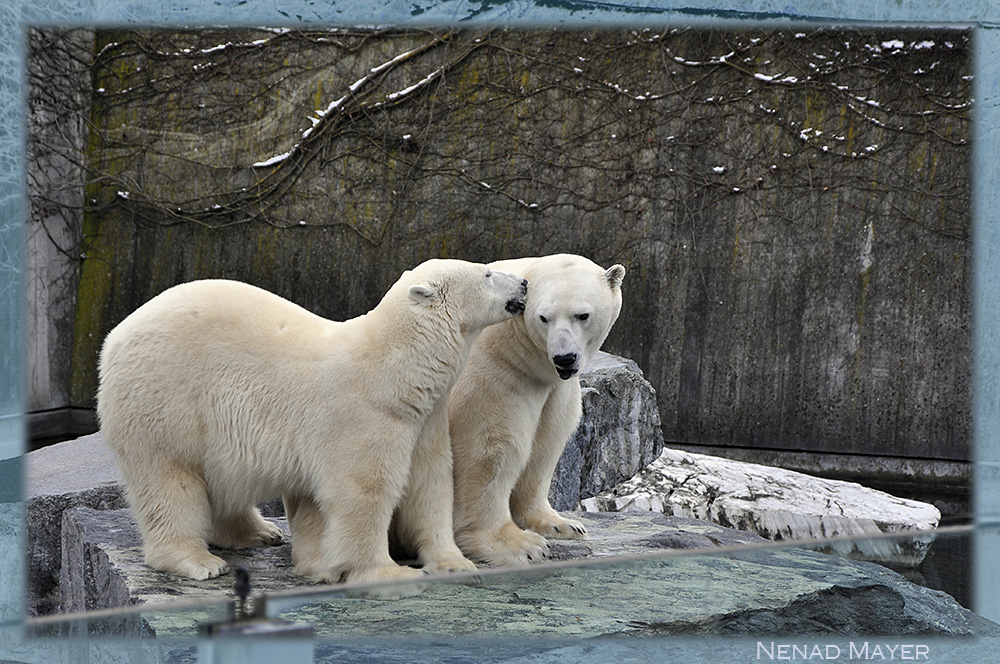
(518, 402)
(216, 395)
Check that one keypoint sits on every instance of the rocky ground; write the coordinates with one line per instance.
(649, 571)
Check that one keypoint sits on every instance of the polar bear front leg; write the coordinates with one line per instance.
(505, 545)
(423, 520)
(308, 525)
(484, 478)
(530, 499)
(355, 543)
(345, 521)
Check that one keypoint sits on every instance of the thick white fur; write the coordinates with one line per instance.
(511, 413)
(216, 395)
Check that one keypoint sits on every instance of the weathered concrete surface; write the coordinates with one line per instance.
(619, 433)
(758, 590)
(59, 89)
(70, 467)
(776, 503)
(103, 566)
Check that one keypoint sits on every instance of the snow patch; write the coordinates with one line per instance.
(276, 159)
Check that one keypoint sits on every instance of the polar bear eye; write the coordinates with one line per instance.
(489, 274)
(582, 316)
(543, 319)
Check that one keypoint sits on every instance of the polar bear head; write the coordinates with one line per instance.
(472, 294)
(572, 304)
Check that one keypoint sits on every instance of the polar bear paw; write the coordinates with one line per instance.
(196, 564)
(384, 573)
(363, 575)
(555, 527)
(271, 534)
(247, 530)
(370, 575)
(388, 573)
(508, 547)
(451, 565)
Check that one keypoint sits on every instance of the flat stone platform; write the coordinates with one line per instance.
(726, 582)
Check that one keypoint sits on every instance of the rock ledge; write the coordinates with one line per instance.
(780, 590)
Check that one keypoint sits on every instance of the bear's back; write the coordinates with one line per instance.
(217, 314)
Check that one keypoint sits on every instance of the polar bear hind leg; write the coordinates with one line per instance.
(306, 524)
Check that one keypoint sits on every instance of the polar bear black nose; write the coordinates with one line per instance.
(564, 361)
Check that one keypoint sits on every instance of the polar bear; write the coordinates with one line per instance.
(518, 402)
(216, 395)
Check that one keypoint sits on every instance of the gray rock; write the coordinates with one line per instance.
(76, 473)
(778, 504)
(619, 433)
(618, 586)
(103, 566)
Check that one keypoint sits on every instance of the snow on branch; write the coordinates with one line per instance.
(353, 88)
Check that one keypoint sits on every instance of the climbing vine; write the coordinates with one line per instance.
(634, 125)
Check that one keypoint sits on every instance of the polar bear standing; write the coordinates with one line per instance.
(216, 395)
(518, 402)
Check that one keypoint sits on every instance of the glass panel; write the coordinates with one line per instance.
(772, 596)
(182, 620)
(751, 590)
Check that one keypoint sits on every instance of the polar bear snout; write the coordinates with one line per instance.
(515, 305)
(566, 365)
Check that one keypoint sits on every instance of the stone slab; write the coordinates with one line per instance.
(945, 484)
(69, 467)
(74, 473)
(733, 583)
(777, 504)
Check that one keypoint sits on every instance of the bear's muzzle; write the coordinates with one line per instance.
(566, 365)
(515, 305)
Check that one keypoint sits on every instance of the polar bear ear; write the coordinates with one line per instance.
(425, 293)
(614, 275)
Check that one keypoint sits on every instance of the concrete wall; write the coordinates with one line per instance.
(59, 90)
(792, 208)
